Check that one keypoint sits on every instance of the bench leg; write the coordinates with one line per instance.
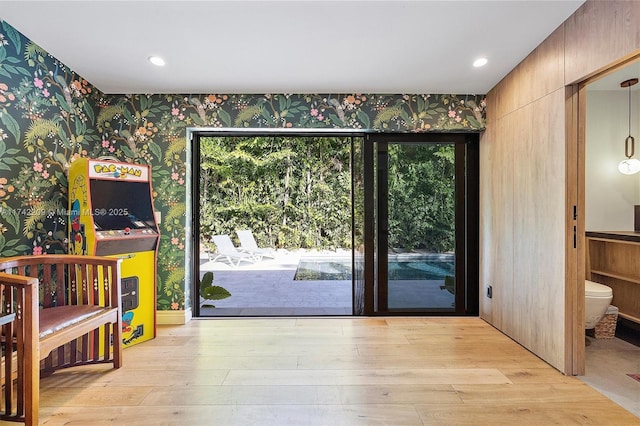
(31, 373)
(117, 345)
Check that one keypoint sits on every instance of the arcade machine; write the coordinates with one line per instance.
(111, 214)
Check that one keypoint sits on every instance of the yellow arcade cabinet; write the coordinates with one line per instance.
(111, 214)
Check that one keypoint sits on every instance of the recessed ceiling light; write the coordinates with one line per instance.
(156, 60)
(480, 62)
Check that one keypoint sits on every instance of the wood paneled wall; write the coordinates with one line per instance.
(598, 35)
(529, 180)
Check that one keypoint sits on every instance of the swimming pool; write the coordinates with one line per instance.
(320, 269)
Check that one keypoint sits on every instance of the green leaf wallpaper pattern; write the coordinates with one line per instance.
(50, 116)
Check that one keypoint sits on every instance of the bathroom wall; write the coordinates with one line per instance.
(610, 195)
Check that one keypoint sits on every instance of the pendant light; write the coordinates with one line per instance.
(631, 165)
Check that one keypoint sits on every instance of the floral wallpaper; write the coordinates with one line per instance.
(50, 116)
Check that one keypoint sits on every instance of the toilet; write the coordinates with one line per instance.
(597, 300)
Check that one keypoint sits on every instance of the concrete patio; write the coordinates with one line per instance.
(267, 288)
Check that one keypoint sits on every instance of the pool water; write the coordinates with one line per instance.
(340, 269)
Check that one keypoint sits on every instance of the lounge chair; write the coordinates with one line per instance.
(226, 249)
(248, 245)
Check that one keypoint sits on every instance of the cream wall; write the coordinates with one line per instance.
(610, 196)
(530, 181)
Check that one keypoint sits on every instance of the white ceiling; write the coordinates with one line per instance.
(304, 46)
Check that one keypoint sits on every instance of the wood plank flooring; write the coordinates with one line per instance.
(326, 371)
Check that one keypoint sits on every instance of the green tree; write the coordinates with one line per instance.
(292, 192)
(295, 192)
(422, 197)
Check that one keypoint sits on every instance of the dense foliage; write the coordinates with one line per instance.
(295, 192)
(292, 192)
(422, 197)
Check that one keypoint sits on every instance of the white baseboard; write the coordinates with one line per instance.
(173, 317)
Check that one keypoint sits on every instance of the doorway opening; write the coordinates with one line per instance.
(274, 223)
(335, 223)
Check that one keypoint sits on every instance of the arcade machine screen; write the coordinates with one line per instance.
(122, 216)
(120, 205)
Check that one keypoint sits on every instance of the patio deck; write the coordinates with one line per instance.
(267, 288)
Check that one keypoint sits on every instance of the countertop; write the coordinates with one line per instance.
(615, 235)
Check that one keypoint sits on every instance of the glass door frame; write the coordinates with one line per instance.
(466, 218)
(370, 272)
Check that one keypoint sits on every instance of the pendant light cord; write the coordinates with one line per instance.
(629, 142)
(629, 110)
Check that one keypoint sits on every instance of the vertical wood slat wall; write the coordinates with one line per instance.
(530, 181)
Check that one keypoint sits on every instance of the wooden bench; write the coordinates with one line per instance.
(67, 313)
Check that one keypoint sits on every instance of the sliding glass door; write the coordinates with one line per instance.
(424, 206)
(420, 224)
(413, 227)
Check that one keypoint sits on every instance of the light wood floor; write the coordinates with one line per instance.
(326, 371)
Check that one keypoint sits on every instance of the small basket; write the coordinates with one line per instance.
(606, 328)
